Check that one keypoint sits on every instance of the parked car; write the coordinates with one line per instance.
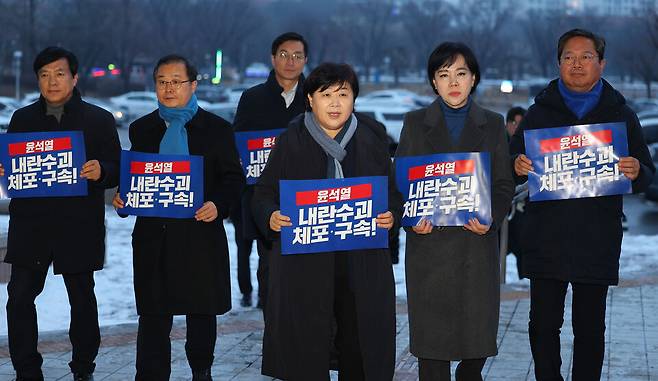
(395, 97)
(5, 118)
(211, 93)
(235, 92)
(391, 117)
(120, 113)
(136, 103)
(224, 109)
(140, 103)
(30, 98)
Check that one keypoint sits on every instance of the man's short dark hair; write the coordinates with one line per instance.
(289, 36)
(513, 112)
(175, 58)
(330, 74)
(599, 42)
(446, 54)
(52, 54)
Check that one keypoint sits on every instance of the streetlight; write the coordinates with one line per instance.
(17, 71)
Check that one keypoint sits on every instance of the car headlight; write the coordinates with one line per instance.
(118, 114)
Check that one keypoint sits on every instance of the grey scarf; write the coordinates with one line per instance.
(330, 146)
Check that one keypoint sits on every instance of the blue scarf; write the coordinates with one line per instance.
(174, 140)
(581, 103)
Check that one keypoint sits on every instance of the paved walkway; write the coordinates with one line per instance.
(631, 343)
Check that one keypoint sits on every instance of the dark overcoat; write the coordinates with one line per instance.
(263, 108)
(452, 274)
(300, 303)
(578, 240)
(181, 266)
(70, 231)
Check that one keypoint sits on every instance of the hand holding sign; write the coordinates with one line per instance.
(424, 226)
(278, 220)
(207, 213)
(385, 220)
(476, 227)
(91, 170)
(117, 202)
(630, 167)
(2, 170)
(522, 165)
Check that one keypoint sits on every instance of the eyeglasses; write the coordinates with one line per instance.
(570, 59)
(297, 57)
(175, 84)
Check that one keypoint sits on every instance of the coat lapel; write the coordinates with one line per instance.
(436, 131)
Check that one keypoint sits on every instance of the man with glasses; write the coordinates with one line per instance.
(181, 266)
(575, 241)
(68, 232)
(270, 105)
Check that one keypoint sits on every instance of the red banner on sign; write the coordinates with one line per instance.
(575, 141)
(458, 167)
(323, 196)
(161, 167)
(38, 146)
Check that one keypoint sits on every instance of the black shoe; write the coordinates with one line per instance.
(83, 377)
(201, 375)
(246, 300)
(22, 378)
(260, 304)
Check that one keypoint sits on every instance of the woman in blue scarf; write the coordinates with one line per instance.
(181, 265)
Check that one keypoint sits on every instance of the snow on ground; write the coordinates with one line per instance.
(114, 286)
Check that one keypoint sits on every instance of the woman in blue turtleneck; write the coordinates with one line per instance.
(452, 272)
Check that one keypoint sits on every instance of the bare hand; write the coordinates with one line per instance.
(630, 167)
(91, 170)
(476, 227)
(522, 165)
(385, 220)
(424, 226)
(278, 220)
(2, 170)
(117, 202)
(206, 213)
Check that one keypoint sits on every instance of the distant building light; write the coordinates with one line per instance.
(115, 71)
(506, 87)
(96, 72)
(111, 67)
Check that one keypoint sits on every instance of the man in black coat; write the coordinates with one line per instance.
(576, 241)
(67, 231)
(270, 105)
(181, 265)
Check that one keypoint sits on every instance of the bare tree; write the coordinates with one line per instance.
(426, 23)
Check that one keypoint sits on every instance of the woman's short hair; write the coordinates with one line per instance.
(330, 74)
(446, 54)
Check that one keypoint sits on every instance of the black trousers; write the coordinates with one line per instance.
(439, 370)
(588, 321)
(263, 273)
(23, 288)
(154, 345)
(244, 251)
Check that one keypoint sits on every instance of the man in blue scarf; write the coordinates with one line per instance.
(576, 241)
(181, 266)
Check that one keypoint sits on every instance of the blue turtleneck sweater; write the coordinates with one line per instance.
(455, 119)
(581, 103)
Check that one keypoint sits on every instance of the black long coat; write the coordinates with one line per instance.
(181, 266)
(263, 108)
(452, 274)
(70, 231)
(299, 314)
(578, 240)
